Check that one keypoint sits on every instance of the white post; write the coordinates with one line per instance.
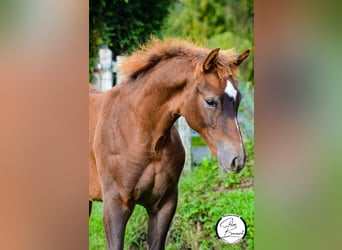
(185, 134)
(106, 77)
(116, 68)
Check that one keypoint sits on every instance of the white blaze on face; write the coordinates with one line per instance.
(230, 90)
(232, 93)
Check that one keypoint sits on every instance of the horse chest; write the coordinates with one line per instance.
(152, 186)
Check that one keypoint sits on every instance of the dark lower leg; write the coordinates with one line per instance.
(115, 217)
(159, 223)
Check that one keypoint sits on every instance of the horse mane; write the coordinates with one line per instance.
(157, 50)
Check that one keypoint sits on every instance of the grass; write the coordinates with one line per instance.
(96, 231)
(205, 195)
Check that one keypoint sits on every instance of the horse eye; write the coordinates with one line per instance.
(211, 103)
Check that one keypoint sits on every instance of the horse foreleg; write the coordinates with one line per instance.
(159, 221)
(115, 217)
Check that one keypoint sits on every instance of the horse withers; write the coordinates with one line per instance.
(135, 153)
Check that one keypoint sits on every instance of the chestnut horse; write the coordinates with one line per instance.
(135, 153)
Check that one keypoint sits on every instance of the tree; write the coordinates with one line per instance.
(124, 24)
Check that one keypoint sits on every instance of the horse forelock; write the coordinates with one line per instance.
(157, 50)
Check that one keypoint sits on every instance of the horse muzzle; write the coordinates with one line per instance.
(231, 161)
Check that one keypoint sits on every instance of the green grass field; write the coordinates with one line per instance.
(205, 194)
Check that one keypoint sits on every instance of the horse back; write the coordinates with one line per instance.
(93, 90)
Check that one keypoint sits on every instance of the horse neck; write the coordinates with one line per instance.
(156, 97)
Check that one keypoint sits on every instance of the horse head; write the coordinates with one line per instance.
(211, 105)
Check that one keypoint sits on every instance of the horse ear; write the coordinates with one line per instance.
(209, 62)
(241, 57)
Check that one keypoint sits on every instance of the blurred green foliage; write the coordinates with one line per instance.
(197, 141)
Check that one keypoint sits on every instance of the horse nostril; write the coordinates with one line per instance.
(234, 163)
(237, 163)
